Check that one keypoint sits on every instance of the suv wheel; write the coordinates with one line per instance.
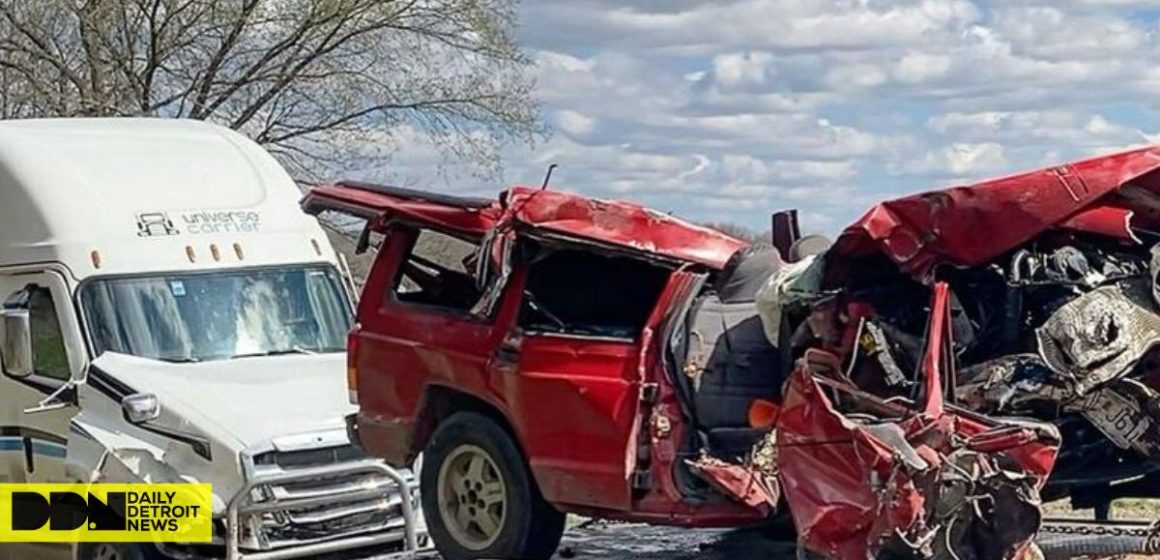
(479, 498)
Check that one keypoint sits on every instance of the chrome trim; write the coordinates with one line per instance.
(312, 550)
(347, 511)
(242, 504)
(283, 493)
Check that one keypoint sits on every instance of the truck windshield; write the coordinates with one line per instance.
(218, 315)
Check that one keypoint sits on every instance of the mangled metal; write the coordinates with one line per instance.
(867, 476)
(922, 380)
(1127, 413)
(1053, 315)
(792, 285)
(1008, 384)
(1099, 336)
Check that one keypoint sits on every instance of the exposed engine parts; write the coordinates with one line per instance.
(1062, 332)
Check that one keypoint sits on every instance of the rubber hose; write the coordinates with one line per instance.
(1070, 546)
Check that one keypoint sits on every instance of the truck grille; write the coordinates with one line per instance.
(309, 457)
(354, 504)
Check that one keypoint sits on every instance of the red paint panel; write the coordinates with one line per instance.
(664, 502)
(619, 224)
(920, 232)
(622, 224)
(1106, 220)
(825, 463)
(847, 485)
(574, 404)
(748, 486)
(404, 350)
(383, 208)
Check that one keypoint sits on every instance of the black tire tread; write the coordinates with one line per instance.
(533, 533)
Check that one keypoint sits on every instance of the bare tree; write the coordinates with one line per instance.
(312, 80)
(741, 232)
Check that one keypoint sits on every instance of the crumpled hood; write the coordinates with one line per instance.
(970, 225)
(244, 401)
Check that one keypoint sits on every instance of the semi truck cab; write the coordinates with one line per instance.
(170, 315)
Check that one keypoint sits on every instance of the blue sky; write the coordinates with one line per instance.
(727, 110)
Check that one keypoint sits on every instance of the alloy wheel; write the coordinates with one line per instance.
(472, 497)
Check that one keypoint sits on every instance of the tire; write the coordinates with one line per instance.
(479, 497)
(120, 551)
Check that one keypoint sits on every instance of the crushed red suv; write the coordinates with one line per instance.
(552, 353)
(522, 344)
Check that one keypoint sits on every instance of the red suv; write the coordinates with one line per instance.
(525, 346)
(550, 353)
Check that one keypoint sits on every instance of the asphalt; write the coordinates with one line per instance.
(599, 540)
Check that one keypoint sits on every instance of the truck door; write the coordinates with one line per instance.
(34, 427)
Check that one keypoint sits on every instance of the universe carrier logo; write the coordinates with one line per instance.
(106, 513)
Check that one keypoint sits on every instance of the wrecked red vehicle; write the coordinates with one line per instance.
(1050, 290)
(521, 344)
(551, 353)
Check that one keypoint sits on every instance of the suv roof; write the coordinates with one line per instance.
(545, 213)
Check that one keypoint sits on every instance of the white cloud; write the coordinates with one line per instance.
(917, 67)
(960, 159)
(748, 168)
(773, 24)
(574, 123)
(734, 69)
(856, 76)
(729, 109)
(1060, 127)
(1054, 34)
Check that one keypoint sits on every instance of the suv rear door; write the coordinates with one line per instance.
(580, 400)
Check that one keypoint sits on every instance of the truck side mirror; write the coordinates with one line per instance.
(17, 343)
(140, 408)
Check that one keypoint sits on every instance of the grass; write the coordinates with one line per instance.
(1136, 509)
(1126, 509)
(1122, 509)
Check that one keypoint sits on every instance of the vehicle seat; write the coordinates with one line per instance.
(808, 246)
(728, 355)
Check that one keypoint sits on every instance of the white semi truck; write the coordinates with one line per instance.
(170, 315)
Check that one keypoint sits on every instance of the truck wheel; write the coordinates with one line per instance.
(479, 498)
(119, 551)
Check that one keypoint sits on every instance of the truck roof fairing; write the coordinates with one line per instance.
(107, 196)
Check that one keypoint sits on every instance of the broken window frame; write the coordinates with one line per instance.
(391, 293)
(551, 243)
(497, 247)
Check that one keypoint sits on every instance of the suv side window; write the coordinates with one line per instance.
(438, 272)
(50, 357)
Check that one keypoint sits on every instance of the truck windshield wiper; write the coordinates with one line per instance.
(279, 352)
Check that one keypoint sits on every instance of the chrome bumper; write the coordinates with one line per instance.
(243, 505)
